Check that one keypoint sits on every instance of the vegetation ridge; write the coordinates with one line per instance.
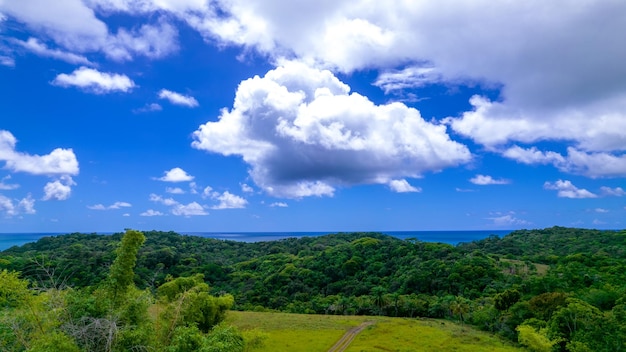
(525, 286)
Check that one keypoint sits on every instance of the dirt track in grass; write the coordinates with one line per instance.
(347, 338)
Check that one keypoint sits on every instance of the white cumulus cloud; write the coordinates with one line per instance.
(178, 99)
(59, 189)
(303, 134)
(191, 209)
(95, 81)
(179, 209)
(58, 162)
(567, 190)
(73, 26)
(229, 201)
(176, 175)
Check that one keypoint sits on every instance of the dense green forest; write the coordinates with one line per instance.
(555, 289)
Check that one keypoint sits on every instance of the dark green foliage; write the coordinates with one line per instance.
(114, 315)
(502, 301)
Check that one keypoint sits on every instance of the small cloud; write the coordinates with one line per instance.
(175, 175)
(464, 190)
(59, 189)
(174, 190)
(484, 180)
(208, 192)
(7, 61)
(148, 108)
(598, 222)
(191, 209)
(279, 205)
(8, 186)
(178, 99)
(567, 190)
(508, 219)
(601, 210)
(10, 209)
(402, 186)
(27, 205)
(151, 212)
(125, 215)
(616, 192)
(179, 209)
(95, 81)
(165, 201)
(39, 48)
(229, 201)
(246, 189)
(116, 205)
(193, 188)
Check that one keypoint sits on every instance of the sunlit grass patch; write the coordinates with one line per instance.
(299, 332)
(399, 334)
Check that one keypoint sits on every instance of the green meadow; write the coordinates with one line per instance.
(303, 332)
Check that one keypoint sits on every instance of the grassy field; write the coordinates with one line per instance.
(296, 332)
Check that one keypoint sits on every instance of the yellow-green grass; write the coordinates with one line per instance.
(295, 332)
(397, 334)
(310, 333)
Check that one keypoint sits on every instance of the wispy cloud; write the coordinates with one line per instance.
(116, 205)
(567, 190)
(41, 49)
(279, 205)
(483, 180)
(507, 219)
(178, 99)
(151, 212)
(7, 186)
(615, 192)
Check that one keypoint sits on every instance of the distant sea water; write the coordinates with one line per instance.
(8, 240)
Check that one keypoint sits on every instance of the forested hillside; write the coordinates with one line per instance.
(552, 289)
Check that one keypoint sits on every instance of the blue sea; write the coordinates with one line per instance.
(8, 240)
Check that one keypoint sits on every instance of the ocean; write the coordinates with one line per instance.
(8, 240)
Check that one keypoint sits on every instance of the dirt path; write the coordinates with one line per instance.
(347, 338)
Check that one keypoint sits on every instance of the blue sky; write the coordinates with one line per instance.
(219, 115)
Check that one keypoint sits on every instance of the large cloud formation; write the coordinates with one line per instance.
(556, 64)
(303, 133)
